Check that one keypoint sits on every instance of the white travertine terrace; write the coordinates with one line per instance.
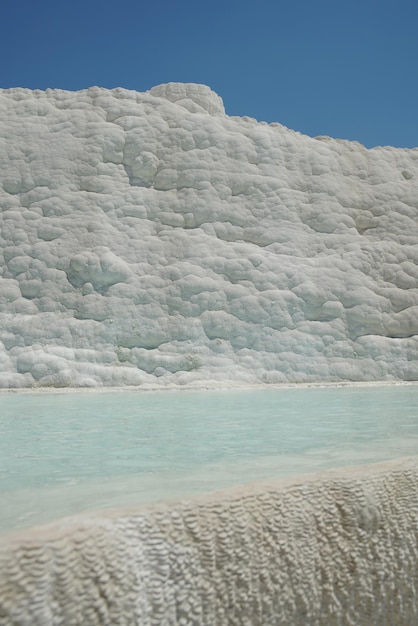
(148, 238)
(337, 549)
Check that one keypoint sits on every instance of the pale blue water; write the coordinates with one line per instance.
(66, 453)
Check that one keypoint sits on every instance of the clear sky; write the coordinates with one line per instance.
(324, 67)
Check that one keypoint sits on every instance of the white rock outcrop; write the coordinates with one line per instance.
(336, 549)
(150, 238)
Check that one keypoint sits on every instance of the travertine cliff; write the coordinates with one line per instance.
(150, 238)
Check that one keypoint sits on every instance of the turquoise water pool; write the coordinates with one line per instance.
(63, 453)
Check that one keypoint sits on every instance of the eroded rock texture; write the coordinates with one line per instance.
(150, 238)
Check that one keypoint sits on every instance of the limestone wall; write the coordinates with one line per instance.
(150, 239)
(338, 548)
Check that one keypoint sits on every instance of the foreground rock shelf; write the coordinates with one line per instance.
(336, 548)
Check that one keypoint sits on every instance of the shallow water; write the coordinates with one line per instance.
(66, 453)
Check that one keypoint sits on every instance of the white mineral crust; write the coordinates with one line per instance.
(148, 238)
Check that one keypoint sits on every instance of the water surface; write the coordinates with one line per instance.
(66, 453)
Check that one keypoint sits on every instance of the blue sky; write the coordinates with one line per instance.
(323, 67)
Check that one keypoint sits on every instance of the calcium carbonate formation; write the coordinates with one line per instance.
(148, 238)
(333, 550)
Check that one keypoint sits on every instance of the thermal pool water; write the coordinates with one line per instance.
(64, 453)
